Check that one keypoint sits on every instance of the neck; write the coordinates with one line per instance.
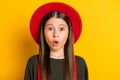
(59, 54)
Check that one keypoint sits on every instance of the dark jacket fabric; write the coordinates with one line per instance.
(57, 68)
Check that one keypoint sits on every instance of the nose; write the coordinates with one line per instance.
(55, 34)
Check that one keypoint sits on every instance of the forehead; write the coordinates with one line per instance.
(55, 21)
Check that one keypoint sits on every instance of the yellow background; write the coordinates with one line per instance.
(99, 43)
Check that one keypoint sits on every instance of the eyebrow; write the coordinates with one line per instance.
(59, 25)
(48, 24)
(63, 25)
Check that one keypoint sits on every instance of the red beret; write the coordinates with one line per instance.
(55, 6)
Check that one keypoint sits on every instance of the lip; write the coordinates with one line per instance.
(55, 43)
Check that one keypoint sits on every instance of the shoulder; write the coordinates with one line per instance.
(80, 61)
(33, 60)
(81, 68)
(31, 68)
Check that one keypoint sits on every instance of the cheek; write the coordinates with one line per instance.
(47, 37)
(64, 36)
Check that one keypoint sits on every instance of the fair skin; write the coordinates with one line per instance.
(56, 34)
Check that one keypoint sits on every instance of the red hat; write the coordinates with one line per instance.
(55, 6)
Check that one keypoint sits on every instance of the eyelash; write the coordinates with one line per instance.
(61, 29)
(50, 29)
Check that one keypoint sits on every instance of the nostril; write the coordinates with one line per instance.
(55, 35)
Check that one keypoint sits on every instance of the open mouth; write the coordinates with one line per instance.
(55, 43)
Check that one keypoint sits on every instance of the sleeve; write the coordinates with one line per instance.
(31, 68)
(28, 74)
(82, 68)
(86, 71)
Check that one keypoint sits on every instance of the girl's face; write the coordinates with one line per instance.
(56, 33)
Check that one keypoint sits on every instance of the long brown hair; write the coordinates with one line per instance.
(44, 50)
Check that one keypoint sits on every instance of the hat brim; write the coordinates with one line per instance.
(55, 6)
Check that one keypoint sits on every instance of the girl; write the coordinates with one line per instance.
(56, 60)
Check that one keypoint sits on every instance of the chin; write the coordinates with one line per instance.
(55, 48)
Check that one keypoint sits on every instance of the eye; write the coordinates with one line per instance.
(50, 29)
(62, 29)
